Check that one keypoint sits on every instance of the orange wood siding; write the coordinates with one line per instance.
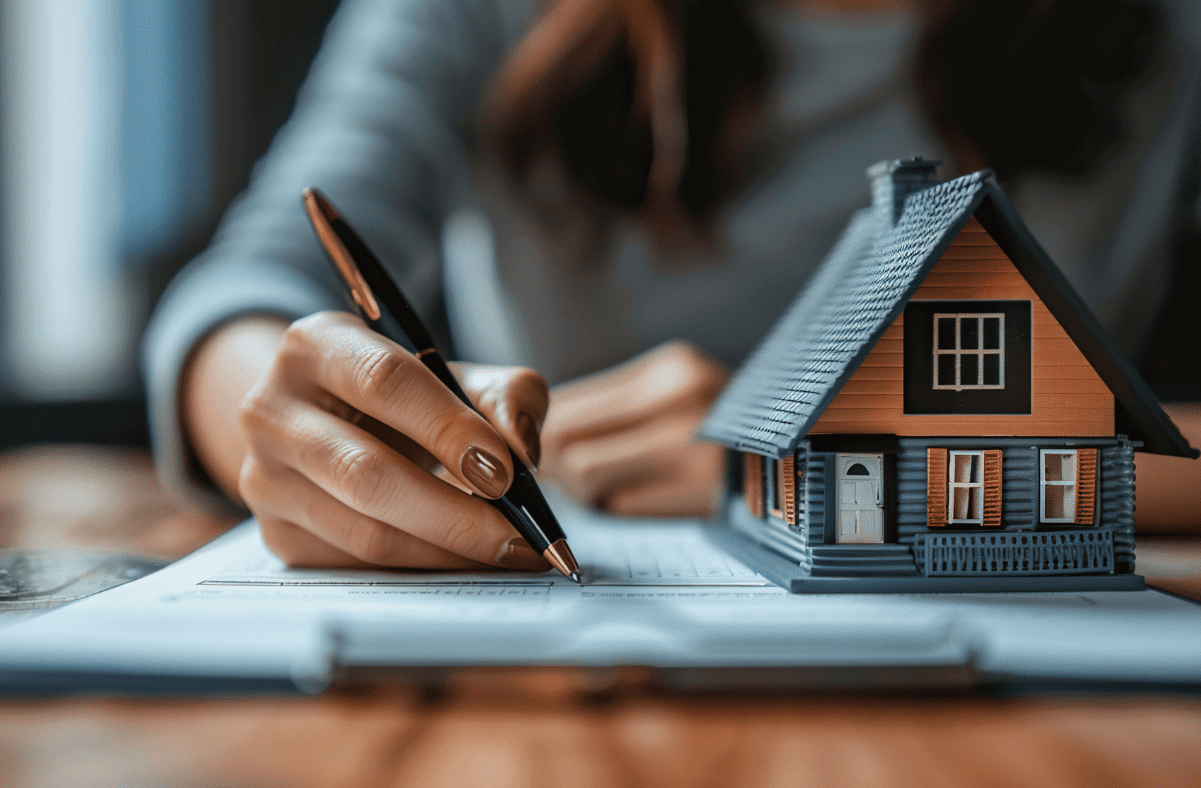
(1067, 397)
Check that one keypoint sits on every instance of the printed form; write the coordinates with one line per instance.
(655, 593)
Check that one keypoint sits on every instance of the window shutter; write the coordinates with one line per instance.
(992, 488)
(936, 487)
(1086, 486)
(752, 482)
(788, 476)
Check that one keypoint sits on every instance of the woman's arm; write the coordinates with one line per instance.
(222, 371)
(622, 439)
(381, 124)
(328, 432)
(1168, 489)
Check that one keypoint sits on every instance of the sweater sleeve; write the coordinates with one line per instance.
(381, 126)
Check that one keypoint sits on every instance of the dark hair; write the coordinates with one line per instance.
(1032, 85)
(637, 100)
(642, 103)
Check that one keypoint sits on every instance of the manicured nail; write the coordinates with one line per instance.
(517, 554)
(529, 436)
(485, 472)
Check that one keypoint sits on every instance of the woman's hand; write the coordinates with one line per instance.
(622, 439)
(352, 453)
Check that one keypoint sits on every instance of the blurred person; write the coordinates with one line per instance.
(609, 202)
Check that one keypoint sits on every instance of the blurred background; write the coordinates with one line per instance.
(126, 127)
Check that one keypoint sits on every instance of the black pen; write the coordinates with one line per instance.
(523, 504)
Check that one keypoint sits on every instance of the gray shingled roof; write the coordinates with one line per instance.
(862, 287)
(857, 292)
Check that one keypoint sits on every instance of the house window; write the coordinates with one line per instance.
(969, 350)
(965, 493)
(964, 487)
(1057, 494)
(966, 357)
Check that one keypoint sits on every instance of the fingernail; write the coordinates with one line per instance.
(529, 436)
(485, 472)
(517, 554)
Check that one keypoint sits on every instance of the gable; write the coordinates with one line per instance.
(1067, 396)
(863, 286)
(855, 294)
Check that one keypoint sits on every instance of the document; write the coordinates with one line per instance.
(618, 553)
(658, 594)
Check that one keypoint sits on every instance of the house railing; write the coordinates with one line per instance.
(1022, 553)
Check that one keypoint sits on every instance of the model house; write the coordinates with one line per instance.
(938, 410)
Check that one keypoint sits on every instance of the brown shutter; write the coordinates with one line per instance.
(752, 482)
(992, 488)
(1086, 486)
(788, 484)
(936, 487)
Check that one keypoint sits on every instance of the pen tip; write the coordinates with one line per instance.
(315, 201)
(575, 576)
(560, 557)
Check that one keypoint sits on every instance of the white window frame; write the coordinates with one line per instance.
(1044, 483)
(953, 485)
(959, 352)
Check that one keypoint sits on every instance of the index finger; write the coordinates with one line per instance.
(378, 377)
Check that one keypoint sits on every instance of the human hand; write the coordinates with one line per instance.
(622, 440)
(344, 434)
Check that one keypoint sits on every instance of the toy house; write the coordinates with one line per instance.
(937, 411)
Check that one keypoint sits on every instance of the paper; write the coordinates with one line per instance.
(610, 554)
(659, 594)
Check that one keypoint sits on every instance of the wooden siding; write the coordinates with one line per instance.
(1115, 499)
(1113, 506)
(817, 494)
(1067, 396)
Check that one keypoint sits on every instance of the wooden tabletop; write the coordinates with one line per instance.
(546, 727)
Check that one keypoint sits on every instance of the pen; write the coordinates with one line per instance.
(523, 504)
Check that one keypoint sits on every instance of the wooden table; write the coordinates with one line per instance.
(546, 727)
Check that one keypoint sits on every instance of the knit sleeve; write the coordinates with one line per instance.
(382, 125)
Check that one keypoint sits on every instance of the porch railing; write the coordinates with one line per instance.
(1019, 553)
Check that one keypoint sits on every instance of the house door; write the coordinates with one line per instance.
(860, 499)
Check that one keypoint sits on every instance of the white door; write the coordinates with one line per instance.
(860, 499)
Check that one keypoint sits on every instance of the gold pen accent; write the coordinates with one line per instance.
(321, 213)
(522, 504)
(560, 557)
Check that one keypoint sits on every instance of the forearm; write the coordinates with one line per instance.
(215, 381)
(1169, 488)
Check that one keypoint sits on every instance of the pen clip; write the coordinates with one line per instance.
(319, 210)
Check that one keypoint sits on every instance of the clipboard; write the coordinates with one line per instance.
(230, 618)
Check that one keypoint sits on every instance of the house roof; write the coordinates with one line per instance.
(862, 287)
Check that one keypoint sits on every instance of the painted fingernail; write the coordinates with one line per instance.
(517, 554)
(485, 472)
(529, 436)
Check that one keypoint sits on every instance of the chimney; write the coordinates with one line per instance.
(895, 179)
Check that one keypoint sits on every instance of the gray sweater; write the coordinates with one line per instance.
(385, 125)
